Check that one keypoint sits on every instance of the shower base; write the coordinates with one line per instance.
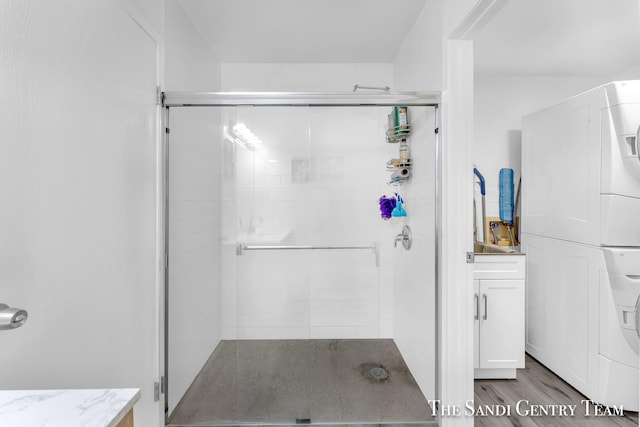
(288, 382)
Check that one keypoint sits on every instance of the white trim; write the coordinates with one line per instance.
(131, 10)
(456, 288)
(160, 235)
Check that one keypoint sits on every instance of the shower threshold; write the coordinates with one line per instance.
(294, 382)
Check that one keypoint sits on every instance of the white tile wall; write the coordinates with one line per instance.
(333, 201)
(414, 270)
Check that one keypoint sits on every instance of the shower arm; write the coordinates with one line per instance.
(385, 88)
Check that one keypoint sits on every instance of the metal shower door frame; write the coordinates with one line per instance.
(299, 99)
(294, 99)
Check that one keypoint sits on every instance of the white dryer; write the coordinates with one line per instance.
(581, 233)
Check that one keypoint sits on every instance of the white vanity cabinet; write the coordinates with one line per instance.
(499, 315)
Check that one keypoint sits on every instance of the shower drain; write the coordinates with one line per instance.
(379, 373)
(374, 372)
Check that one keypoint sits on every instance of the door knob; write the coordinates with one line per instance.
(11, 318)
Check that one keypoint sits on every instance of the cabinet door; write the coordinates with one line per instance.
(501, 324)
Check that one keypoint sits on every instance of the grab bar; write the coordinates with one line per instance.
(241, 248)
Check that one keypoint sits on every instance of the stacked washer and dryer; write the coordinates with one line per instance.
(580, 229)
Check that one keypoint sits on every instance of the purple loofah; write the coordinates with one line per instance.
(387, 204)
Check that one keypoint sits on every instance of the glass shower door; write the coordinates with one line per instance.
(300, 308)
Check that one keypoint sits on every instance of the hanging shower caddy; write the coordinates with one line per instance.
(398, 131)
(399, 126)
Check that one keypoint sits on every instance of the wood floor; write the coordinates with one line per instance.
(539, 386)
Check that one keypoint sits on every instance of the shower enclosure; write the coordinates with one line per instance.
(286, 301)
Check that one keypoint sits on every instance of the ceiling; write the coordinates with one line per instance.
(532, 38)
(560, 37)
(297, 31)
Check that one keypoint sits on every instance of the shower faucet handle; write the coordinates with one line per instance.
(406, 237)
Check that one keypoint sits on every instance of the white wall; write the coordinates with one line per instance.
(194, 313)
(189, 63)
(148, 14)
(303, 77)
(418, 64)
(78, 157)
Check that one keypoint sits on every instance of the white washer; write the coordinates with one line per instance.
(619, 344)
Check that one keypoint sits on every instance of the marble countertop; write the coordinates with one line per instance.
(66, 408)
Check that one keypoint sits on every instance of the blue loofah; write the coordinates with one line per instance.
(398, 210)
